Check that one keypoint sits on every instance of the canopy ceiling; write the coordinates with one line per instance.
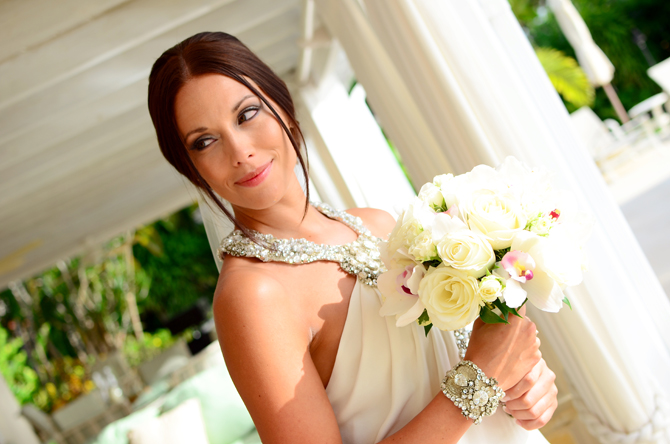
(78, 158)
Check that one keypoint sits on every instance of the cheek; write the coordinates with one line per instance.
(212, 167)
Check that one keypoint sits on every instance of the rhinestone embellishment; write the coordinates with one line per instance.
(360, 258)
(461, 380)
(479, 396)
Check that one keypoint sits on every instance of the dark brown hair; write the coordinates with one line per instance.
(214, 53)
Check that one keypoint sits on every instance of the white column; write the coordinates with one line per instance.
(352, 143)
(468, 69)
(387, 92)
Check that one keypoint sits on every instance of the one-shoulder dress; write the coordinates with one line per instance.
(384, 375)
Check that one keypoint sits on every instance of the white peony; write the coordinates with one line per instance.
(466, 250)
(450, 297)
(496, 215)
(409, 225)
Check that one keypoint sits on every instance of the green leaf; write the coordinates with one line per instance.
(515, 313)
(424, 318)
(567, 302)
(427, 328)
(489, 317)
(432, 263)
(504, 309)
(501, 253)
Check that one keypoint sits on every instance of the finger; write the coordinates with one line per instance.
(537, 423)
(543, 386)
(528, 381)
(537, 410)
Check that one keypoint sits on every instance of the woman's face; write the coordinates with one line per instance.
(234, 141)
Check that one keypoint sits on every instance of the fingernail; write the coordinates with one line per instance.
(518, 422)
(505, 398)
(505, 410)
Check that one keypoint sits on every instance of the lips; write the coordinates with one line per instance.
(256, 176)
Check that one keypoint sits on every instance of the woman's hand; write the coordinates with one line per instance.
(506, 352)
(532, 401)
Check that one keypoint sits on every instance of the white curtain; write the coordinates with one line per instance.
(468, 70)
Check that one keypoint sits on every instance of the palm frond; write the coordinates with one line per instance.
(567, 77)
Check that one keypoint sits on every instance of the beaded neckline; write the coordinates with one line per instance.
(359, 257)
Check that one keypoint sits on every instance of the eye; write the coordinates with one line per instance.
(247, 114)
(202, 143)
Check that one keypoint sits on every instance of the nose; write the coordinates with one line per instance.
(240, 149)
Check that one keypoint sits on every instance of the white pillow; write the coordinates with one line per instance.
(182, 424)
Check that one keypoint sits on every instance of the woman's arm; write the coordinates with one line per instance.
(265, 345)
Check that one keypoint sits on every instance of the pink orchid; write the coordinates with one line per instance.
(452, 211)
(400, 288)
(402, 284)
(519, 265)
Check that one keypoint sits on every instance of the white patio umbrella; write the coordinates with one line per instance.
(592, 59)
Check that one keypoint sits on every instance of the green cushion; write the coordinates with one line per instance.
(251, 438)
(154, 392)
(226, 417)
(117, 432)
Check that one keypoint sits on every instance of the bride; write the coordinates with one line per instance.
(297, 316)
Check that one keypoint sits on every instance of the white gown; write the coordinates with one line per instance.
(383, 375)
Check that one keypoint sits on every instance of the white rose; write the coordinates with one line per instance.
(432, 195)
(442, 180)
(467, 251)
(490, 288)
(496, 215)
(450, 297)
(423, 248)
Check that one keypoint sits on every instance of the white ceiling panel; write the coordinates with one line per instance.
(79, 161)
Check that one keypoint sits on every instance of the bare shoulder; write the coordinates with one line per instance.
(245, 288)
(264, 338)
(379, 222)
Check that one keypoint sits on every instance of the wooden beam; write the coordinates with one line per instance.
(25, 24)
(123, 29)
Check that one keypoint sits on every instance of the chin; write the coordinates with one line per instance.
(258, 198)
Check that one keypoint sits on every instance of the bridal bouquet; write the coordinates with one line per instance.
(482, 244)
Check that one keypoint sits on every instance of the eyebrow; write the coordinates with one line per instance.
(235, 108)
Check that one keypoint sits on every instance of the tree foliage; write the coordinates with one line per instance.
(613, 25)
(185, 272)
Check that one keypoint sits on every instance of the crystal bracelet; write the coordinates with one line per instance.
(472, 391)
